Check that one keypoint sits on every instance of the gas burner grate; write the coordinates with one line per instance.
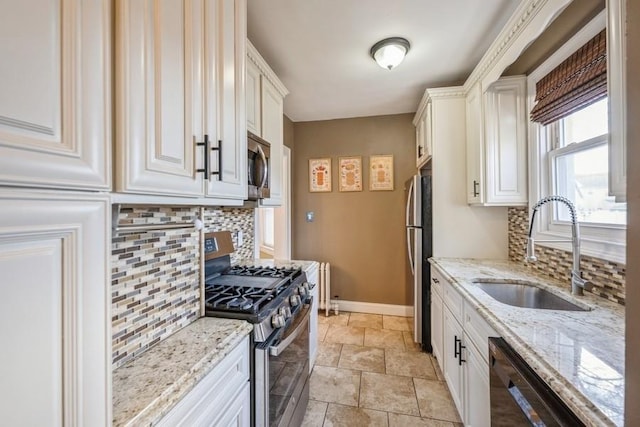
(259, 271)
(241, 299)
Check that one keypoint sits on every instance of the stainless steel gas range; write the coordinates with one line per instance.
(277, 301)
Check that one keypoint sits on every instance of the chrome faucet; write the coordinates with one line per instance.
(577, 282)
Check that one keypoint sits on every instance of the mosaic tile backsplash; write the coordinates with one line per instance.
(156, 274)
(607, 277)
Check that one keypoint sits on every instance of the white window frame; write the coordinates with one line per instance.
(601, 241)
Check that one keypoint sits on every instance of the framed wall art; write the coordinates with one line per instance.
(381, 173)
(350, 169)
(320, 175)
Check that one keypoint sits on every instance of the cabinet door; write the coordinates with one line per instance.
(437, 326)
(505, 142)
(159, 89)
(254, 123)
(54, 313)
(55, 94)
(238, 413)
(453, 372)
(477, 402)
(226, 59)
(475, 140)
(273, 132)
(424, 136)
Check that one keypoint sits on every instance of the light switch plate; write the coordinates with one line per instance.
(310, 216)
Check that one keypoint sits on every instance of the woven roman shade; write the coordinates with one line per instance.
(577, 82)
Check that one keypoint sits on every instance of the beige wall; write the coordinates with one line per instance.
(360, 233)
(632, 371)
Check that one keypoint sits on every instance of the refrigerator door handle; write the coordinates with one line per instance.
(409, 199)
(410, 252)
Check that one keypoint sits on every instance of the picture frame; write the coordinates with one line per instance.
(320, 175)
(350, 173)
(381, 172)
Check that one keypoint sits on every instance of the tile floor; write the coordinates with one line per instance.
(370, 373)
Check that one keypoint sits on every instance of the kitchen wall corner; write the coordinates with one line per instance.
(156, 274)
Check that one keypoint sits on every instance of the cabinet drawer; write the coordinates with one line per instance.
(213, 395)
(453, 300)
(436, 281)
(478, 331)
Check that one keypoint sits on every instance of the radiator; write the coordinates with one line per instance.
(325, 287)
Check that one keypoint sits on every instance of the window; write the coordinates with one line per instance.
(569, 148)
(580, 167)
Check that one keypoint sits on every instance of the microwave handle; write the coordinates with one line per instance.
(265, 172)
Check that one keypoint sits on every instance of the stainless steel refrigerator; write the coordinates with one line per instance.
(419, 241)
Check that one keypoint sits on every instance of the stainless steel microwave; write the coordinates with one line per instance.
(259, 152)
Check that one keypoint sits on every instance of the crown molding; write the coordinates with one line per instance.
(437, 93)
(525, 25)
(267, 72)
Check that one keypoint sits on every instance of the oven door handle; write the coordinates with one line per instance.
(299, 327)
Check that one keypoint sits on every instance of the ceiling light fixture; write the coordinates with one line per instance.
(389, 53)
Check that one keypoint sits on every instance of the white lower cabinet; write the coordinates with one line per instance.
(453, 372)
(464, 351)
(222, 398)
(312, 279)
(55, 309)
(436, 324)
(476, 390)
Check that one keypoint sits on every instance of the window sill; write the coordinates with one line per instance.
(601, 249)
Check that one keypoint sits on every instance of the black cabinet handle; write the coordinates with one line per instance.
(219, 150)
(205, 144)
(457, 348)
(435, 280)
(476, 192)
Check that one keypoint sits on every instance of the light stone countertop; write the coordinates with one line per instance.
(579, 354)
(146, 388)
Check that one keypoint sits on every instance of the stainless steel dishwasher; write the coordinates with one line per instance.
(519, 397)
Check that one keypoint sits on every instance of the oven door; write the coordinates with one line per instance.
(281, 374)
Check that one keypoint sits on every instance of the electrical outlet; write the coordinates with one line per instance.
(310, 216)
(239, 238)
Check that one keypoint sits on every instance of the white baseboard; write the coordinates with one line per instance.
(374, 308)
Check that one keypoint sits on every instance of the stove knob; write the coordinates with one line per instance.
(295, 300)
(285, 312)
(303, 292)
(277, 321)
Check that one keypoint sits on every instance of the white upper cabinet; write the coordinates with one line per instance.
(497, 143)
(617, 82)
(475, 142)
(423, 121)
(55, 94)
(265, 102)
(225, 84)
(179, 86)
(273, 132)
(254, 123)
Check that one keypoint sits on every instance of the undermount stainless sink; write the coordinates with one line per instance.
(525, 295)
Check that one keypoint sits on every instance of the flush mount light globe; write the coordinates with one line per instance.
(389, 53)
